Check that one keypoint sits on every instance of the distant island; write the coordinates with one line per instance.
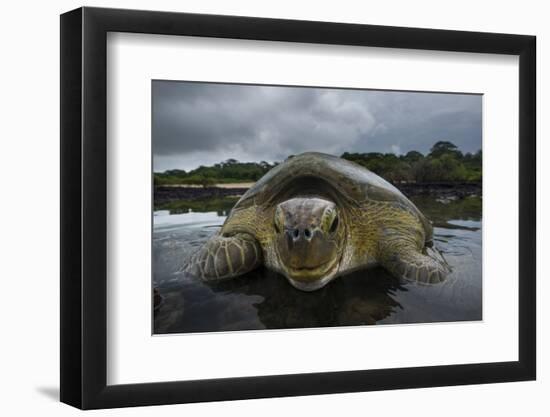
(444, 164)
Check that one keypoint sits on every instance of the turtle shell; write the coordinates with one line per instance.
(314, 173)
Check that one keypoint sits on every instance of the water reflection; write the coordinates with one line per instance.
(263, 299)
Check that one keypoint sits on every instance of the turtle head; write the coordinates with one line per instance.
(309, 237)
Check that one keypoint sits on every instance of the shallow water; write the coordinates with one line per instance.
(265, 300)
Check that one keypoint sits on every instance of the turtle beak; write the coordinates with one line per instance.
(307, 249)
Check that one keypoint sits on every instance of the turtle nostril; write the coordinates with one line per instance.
(307, 233)
(295, 233)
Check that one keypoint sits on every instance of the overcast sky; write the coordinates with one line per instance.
(204, 123)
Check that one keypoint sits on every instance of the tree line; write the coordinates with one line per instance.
(444, 163)
(229, 171)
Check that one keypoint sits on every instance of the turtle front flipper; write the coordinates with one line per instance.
(406, 261)
(225, 257)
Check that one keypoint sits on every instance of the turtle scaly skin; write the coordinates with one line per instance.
(316, 217)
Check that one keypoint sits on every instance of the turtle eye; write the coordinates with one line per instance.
(334, 225)
(276, 226)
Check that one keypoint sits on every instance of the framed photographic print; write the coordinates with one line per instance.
(258, 207)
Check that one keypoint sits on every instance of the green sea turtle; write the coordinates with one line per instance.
(315, 217)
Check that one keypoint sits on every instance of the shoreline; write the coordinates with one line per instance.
(169, 193)
(229, 185)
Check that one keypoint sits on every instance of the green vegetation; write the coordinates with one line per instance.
(444, 163)
(230, 171)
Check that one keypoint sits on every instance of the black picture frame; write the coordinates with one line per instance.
(84, 207)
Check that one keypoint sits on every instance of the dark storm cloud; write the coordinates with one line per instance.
(204, 123)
